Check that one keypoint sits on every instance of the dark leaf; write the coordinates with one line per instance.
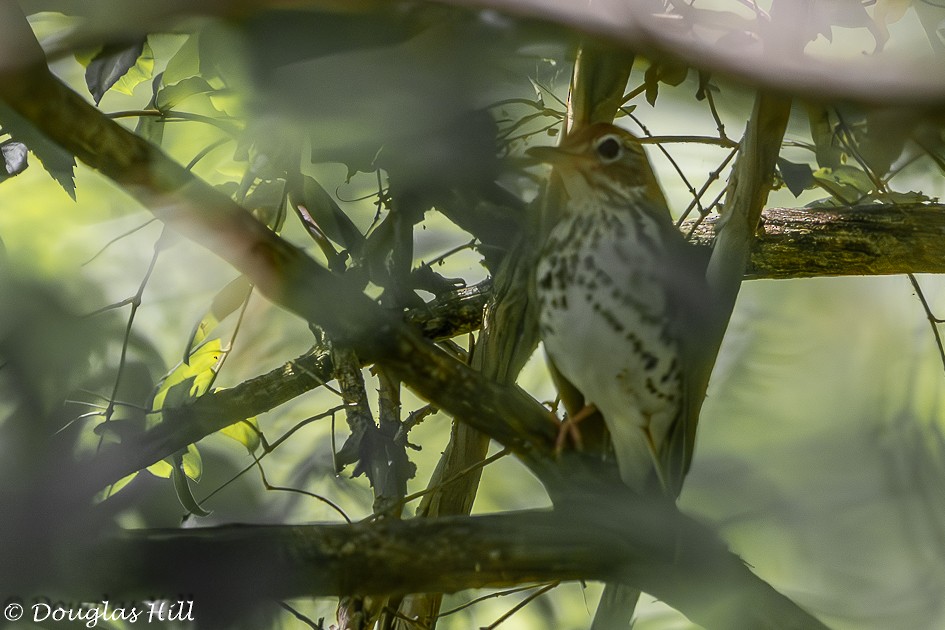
(797, 177)
(185, 495)
(110, 65)
(652, 82)
(704, 85)
(327, 214)
(14, 158)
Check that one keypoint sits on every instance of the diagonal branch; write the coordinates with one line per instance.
(653, 547)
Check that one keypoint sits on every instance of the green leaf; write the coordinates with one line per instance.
(142, 71)
(128, 62)
(225, 302)
(185, 495)
(829, 154)
(847, 184)
(848, 176)
(161, 469)
(151, 128)
(196, 376)
(246, 432)
(115, 488)
(797, 177)
(59, 163)
(185, 63)
(170, 96)
(190, 462)
(179, 394)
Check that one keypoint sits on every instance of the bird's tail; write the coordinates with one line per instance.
(615, 608)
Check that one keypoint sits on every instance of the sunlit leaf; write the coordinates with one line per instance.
(246, 432)
(115, 488)
(185, 63)
(225, 302)
(161, 469)
(190, 462)
(198, 373)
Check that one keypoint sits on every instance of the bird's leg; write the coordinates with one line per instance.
(569, 429)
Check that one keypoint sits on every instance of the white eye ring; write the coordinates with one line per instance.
(609, 149)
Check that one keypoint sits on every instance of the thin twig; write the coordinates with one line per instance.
(713, 176)
(676, 167)
(933, 321)
(456, 477)
(116, 239)
(311, 624)
(521, 605)
(135, 302)
(482, 598)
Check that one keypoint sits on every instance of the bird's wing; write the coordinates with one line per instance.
(691, 315)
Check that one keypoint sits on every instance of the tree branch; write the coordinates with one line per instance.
(859, 241)
(650, 545)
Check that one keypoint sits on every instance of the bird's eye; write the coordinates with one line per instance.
(609, 149)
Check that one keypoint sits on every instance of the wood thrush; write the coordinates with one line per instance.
(622, 299)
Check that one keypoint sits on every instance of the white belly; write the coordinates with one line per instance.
(603, 323)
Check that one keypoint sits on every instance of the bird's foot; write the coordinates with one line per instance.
(568, 429)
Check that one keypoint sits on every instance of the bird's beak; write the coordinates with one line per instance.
(545, 155)
(555, 156)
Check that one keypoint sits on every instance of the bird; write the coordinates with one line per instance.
(623, 304)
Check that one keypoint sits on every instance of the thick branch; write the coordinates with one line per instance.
(867, 241)
(665, 553)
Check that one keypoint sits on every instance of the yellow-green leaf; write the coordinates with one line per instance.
(228, 300)
(201, 368)
(246, 432)
(114, 488)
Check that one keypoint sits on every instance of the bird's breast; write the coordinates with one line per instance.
(603, 311)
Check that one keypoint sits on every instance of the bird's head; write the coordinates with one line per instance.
(602, 159)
